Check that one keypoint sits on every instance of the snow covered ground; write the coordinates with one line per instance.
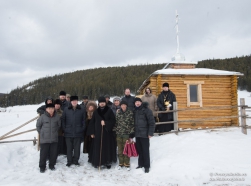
(191, 158)
(2, 109)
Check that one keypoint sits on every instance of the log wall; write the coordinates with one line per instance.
(216, 91)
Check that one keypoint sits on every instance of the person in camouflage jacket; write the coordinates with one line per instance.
(124, 128)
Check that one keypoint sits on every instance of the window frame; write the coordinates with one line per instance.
(199, 92)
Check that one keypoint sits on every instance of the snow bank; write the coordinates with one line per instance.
(2, 109)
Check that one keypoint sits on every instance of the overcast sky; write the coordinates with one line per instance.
(43, 38)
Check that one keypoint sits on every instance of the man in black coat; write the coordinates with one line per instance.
(62, 97)
(73, 122)
(41, 110)
(129, 99)
(144, 125)
(165, 102)
(100, 129)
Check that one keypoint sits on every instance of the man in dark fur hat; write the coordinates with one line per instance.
(101, 125)
(62, 97)
(73, 122)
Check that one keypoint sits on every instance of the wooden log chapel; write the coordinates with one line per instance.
(195, 88)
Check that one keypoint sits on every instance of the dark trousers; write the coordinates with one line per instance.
(46, 149)
(61, 145)
(73, 144)
(142, 146)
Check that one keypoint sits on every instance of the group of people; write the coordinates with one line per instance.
(104, 128)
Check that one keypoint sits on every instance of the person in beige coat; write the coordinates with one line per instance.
(151, 100)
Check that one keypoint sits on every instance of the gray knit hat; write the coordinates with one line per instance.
(116, 99)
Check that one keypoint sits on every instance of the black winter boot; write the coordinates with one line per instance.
(52, 168)
(146, 170)
(77, 164)
(42, 170)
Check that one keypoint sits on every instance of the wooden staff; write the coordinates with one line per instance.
(101, 148)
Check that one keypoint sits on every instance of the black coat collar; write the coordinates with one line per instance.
(78, 107)
(102, 112)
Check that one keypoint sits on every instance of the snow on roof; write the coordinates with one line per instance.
(193, 71)
(184, 62)
(197, 71)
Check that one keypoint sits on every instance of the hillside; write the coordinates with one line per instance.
(238, 64)
(111, 80)
(2, 94)
(91, 82)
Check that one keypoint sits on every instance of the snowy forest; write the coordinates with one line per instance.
(111, 80)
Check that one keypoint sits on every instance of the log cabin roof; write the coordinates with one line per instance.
(191, 72)
(197, 71)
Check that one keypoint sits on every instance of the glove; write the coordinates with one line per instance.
(132, 135)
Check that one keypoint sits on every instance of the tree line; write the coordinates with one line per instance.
(237, 64)
(111, 80)
(92, 82)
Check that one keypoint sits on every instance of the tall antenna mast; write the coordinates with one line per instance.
(177, 32)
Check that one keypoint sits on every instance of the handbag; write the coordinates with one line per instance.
(130, 149)
(133, 149)
(127, 149)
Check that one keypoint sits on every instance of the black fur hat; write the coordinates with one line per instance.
(107, 96)
(74, 98)
(58, 102)
(137, 99)
(62, 93)
(85, 97)
(123, 102)
(101, 99)
(50, 105)
(165, 85)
